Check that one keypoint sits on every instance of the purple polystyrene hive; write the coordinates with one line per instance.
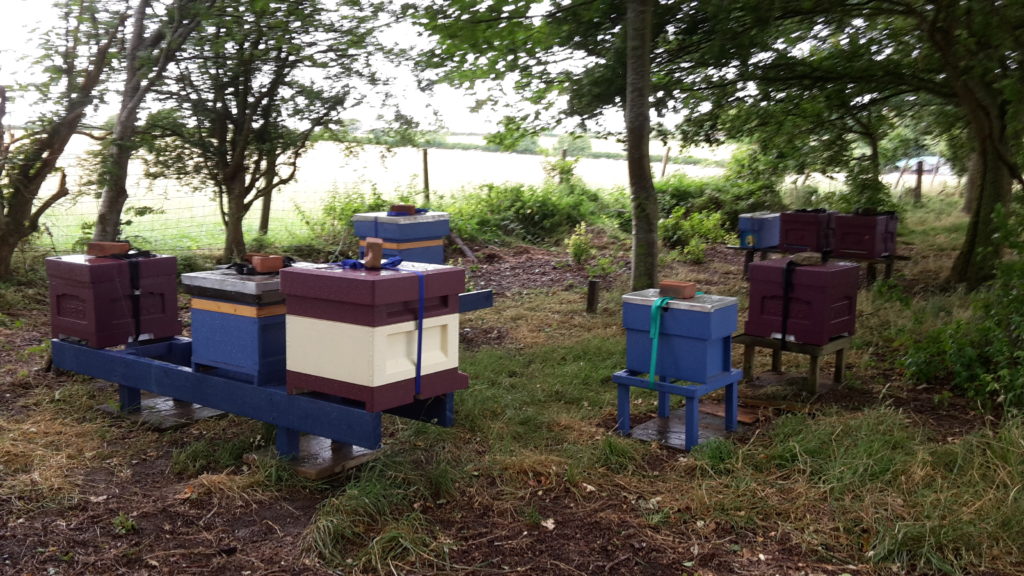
(864, 236)
(104, 302)
(822, 301)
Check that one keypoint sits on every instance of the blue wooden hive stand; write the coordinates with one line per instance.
(235, 363)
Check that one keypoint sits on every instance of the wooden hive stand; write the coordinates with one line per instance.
(835, 346)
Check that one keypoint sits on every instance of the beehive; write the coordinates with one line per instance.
(806, 231)
(864, 236)
(357, 333)
(413, 238)
(107, 302)
(238, 324)
(695, 338)
(822, 301)
(759, 230)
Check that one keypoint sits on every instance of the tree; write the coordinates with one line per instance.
(250, 88)
(960, 56)
(151, 47)
(75, 58)
(576, 52)
(638, 137)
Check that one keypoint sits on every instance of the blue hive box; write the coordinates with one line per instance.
(238, 325)
(695, 342)
(759, 230)
(414, 238)
(248, 345)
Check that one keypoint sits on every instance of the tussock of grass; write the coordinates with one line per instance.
(210, 455)
(42, 457)
(226, 487)
(530, 468)
(373, 523)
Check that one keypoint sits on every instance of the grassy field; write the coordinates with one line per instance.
(186, 220)
(874, 477)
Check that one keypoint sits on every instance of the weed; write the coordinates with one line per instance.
(124, 524)
(619, 455)
(531, 516)
(602, 268)
(580, 244)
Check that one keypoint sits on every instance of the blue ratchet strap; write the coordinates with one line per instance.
(419, 327)
(656, 310)
(389, 264)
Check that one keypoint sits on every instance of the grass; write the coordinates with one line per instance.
(873, 489)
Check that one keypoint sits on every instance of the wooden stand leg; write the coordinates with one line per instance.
(287, 442)
(664, 404)
(840, 366)
(776, 360)
(732, 397)
(812, 374)
(888, 268)
(129, 399)
(872, 273)
(748, 257)
(622, 423)
(748, 361)
(692, 428)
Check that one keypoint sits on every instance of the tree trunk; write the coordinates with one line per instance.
(146, 60)
(981, 250)
(973, 187)
(919, 170)
(265, 213)
(115, 189)
(8, 244)
(638, 129)
(234, 237)
(115, 192)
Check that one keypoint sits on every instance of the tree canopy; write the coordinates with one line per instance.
(252, 85)
(817, 85)
(75, 57)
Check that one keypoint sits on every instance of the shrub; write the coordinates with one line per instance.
(329, 230)
(727, 195)
(681, 229)
(496, 213)
(981, 356)
(580, 244)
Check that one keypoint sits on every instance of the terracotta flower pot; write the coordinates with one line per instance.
(677, 289)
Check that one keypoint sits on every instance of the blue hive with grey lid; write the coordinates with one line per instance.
(417, 237)
(238, 324)
(681, 347)
(695, 340)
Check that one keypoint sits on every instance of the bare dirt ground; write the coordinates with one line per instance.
(232, 533)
